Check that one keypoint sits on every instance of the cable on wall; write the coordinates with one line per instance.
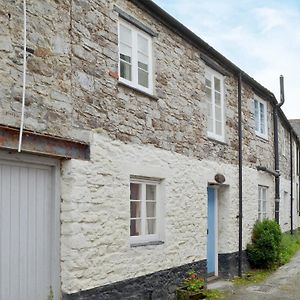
(24, 77)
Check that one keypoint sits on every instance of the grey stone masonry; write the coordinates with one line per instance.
(72, 85)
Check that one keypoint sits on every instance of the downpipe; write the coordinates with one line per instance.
(292, 181)
(276, 148)
(240, 134)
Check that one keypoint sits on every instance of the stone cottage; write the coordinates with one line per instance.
(145, 153)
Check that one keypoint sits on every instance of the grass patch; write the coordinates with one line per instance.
(290, 244)
(253, 276)
(213, 294)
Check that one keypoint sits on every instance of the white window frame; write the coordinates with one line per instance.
(146, 238)
(134, 71)
(283, 142)
(211, 74)
(262, 214)
(264, 103)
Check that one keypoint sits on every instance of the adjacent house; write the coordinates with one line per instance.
(146, 153)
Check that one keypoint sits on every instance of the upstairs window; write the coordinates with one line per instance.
(214, 83)
(262, 202)
(283, 150)
(144, 211)
(135, 57)
(260, 116)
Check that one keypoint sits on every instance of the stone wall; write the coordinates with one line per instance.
(70, 89)
(95, 212)
(72, 92)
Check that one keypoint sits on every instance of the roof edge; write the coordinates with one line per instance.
(160, 14)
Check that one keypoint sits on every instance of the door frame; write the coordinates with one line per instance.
(216, 237)
(33, 159)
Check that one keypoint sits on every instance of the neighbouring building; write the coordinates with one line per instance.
(130, 171)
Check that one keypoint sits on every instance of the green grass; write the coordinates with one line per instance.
(213, 294)
(290, 244)
(253, 276)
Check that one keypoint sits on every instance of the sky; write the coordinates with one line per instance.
(261, 37)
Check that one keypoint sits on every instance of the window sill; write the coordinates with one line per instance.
(137, 90)
(217, 141)
(264, 138)
(153, 243)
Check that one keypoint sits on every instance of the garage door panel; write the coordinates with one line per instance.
(5, 236)
(24, 206)
(14, 231)
(27, 217)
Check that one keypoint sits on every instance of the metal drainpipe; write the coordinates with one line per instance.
(277, 179)
(240, 133)
(292, 181)
(276, 149)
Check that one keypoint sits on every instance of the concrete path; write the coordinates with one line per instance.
(282, 284)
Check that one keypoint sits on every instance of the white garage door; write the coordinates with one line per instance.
(28, 270)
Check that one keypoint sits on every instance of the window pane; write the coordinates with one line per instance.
(143, 66)
(210, 125)
(262, 119)
(207, 82)
(218, 113)
(209, 110)
(143, 78)
(264, 203)
(125, 70)
(151, 226)
(208, 94)
(217, 84)
(151, 209)
(142, 45)
(125, 35)
(256, 115)
(125, 58)
(143, 59)
(150, 192)
(135, 227)
(218, 98)
(126, 50)
(218, 128)
(135, 209)
(135, 191)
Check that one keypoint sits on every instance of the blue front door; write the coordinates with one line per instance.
(211, 242)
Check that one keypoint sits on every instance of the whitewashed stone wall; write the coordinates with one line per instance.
(285, 206)
(95, 247)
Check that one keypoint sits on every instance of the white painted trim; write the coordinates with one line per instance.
(264, 103)
(134, 63)
(262, 188)
(211, 74)
(158, 214)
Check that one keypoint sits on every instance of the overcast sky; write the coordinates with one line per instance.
(261, 37)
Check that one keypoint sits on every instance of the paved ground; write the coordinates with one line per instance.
(283, 284)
